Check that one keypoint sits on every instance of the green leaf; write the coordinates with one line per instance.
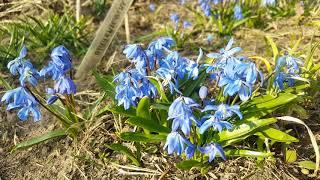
(118, 110)
(125, 150)
(40, 139)
(191, 86)
(242, 128)
(262, 109)
(143, 108)
(247, 153)
(142, 137)
(307, 164)
(291, 156)
(5, 83)
(274, 47)
(275, 135)
(188, 164)
(105, 83)
(148, 124)
(160, 106)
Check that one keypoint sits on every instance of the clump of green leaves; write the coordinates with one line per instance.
(42, 34)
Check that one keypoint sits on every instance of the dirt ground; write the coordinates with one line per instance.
(88, 158)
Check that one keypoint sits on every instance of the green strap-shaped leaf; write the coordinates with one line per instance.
(257, 111)
(191, 86)
(105, 83)
(274, 47)
(242, 128)
(125, 150)
(188, 164)
(118, 110)
(40, 139)
(247, 153)
(143, 108)
(142, 137)
(148, 124)
(276, 135)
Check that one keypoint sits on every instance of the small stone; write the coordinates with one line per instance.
(305, 171)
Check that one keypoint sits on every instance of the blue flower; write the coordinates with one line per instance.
(61, 58)
(209, 38)
(211, 150)
(190, 149)
(157, 46)
(152, 7)
(193, 67)
(287, 69)
(205, 5)
(175, 143)
(128, 91)
(20, 63)
(237, 12)
(29, 74)
(134, 52)
(174, 17)
(20, 98)
(225, 53)
(268, 2)
(53, 96)
(216, 120)
(181, 113)
(52, 70)
(186, 24)
(65, 85)
(203, 92)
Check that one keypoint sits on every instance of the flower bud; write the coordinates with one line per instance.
(203, 92)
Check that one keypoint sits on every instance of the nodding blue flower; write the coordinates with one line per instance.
(209, 38)
(157, 46)
(193, 67)
(61, 58)
(19, 98)
(203, 92)
(152, 7)
(292, 64)
(174, 17)
(134, 52)
(175, 143)
(52, 70)
(287, 68)
(128, 91)
(225, 53)
(237, 12)
(190, 149)
(181, 113)
(205, 6)
(268, 2)
(65, 85)
(186, 24)
(211, 150)
(147, 88)
(20, 63)
(216, 120)
(53, 96)
(29, 74)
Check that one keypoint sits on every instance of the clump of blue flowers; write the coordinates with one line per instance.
(205, 112)
(27, 98)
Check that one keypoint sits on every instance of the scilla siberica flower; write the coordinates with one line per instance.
(58, 68)
(205, 6)
(211, 150)
(217, 120)
(20, 98)
(180, 111)
(287, 69)
(193, 67)
(268, 2)
(237, 12)
(186, 24)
